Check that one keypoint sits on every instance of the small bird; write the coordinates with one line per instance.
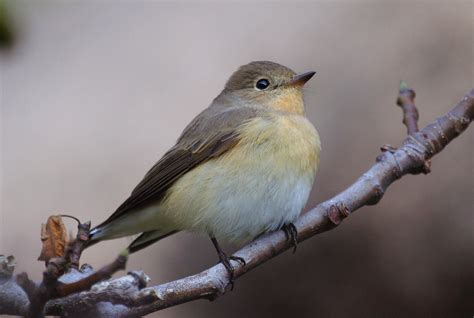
(244, 166)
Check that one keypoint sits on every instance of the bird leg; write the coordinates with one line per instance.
(291, 233)
(225, 260)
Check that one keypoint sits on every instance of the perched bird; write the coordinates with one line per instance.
(244, 166)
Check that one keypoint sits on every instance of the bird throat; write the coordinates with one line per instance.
(290, 101)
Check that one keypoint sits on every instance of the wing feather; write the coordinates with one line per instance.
(203, 139)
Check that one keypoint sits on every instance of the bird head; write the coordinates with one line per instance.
(270, 85)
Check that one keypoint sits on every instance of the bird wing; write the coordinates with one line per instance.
(208, 136)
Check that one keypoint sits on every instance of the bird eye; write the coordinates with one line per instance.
(262, 84)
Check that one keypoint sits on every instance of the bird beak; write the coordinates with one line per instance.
(301, 79)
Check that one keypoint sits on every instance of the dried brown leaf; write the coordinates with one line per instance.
(54, 238)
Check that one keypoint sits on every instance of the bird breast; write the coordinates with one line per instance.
(257, 186)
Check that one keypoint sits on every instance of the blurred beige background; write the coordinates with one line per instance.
(93, 93)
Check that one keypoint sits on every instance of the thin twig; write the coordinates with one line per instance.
(406, 100)
(74, 251)
(71, 217)
(104, 273)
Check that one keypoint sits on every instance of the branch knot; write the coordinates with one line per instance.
(338, 212)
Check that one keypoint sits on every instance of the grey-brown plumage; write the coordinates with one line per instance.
(245, 76)
(208, 135)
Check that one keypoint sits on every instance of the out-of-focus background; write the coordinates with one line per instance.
(93, 93)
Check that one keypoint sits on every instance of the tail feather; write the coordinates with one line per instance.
(92, 238)
(144, 240)
(148, 238)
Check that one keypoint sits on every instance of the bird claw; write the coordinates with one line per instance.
(238, 259)
(225, 260)
(291, 234)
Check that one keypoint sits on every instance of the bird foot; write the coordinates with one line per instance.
(291, 234)
(226, 261)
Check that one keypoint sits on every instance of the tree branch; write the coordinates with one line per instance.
(125, 296)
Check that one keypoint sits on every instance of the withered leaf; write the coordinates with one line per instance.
(54, 238)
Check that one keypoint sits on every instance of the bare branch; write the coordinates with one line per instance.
(85, 283)
(51, 287)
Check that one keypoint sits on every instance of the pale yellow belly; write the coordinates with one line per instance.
(261, 184)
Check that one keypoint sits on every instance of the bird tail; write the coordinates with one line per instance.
(93, 239)
(148, 238)
(144, 240)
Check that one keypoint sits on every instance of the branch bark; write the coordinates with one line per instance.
(125, 297)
